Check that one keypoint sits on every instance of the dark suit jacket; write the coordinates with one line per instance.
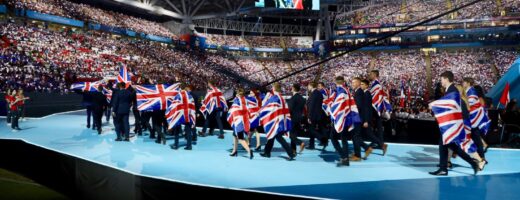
(99, 101)
(122, 102)
(296, 106)
(464, 107)
(369, 109)
(359, 97)
(315, 111)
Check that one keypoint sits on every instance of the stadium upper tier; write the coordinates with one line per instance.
(407, 11)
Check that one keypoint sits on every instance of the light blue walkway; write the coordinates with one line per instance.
(313, 173)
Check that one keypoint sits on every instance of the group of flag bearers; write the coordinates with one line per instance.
(338, 113)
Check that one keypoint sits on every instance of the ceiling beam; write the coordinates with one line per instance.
(173, 6)
(153, 9)
(183, 6)
(197, 7)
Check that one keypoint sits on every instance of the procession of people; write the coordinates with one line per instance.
(340, 113)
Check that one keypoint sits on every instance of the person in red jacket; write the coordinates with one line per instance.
(13, 108)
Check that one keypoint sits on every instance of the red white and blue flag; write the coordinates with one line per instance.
(243, 114)
(108, 93)
(343, 110)
(214, 99)
(155, 97)
(275, 116)
(124, 76)
(181, 110)
(86, 86)
(467, 144)
(477, 113)
(380, 101)
(448, 112)
(326, 95)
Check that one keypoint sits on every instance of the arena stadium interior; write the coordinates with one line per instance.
(423, 87)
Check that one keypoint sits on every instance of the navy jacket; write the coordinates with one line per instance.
(359, 97)
(315, 111)
(122, 102)
(296, 106)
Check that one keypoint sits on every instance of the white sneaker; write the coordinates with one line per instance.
(14, 130)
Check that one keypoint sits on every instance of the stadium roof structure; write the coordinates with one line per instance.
(190, 10)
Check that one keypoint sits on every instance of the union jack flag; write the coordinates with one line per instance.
(275, 116)
(124, 76)
(448, 113)
(181, 110)
(155, 97)
(326, 94)
(343, 110)
(467, 144)
(379, 99)
(86, 86)
(477, 113)
(214, 99)
(243, 114)
(108, 93)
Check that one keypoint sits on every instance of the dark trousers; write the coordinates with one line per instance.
(157, 123)
(216, 115)
(89, 114)
(317, 129)
(443, 154)
(145, 120)
(124, 125)
(137, 122)
(281, 140)
(369, 133)
(357, 140)
(116, 126)
(98, 115)
(187, 134)
(293, 134)
(8, 116)
(15, 115)
(378, 128)
(476, 137)
(342, 149)
(107, 113)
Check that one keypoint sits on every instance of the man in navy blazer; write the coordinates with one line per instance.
(121, 109)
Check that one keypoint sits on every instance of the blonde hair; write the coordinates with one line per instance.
(463, 95)
(277, 87)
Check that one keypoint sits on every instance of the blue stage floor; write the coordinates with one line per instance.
(401, 174)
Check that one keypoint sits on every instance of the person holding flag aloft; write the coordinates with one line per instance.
(241, 116)
(276, 119)
(450, 114)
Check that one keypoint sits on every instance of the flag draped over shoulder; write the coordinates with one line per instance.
(448, 112)
(213, 100)
(343, 110)
(243, 114)
(380, 101)
(181, 110)
(477, 113)
(275, 116)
